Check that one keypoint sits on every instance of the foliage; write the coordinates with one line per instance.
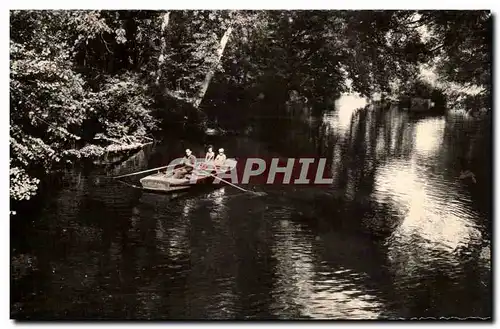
(463, 40)
(22, 186)
(462, 43)
(121, 107)
(325, 53)
(59, 83)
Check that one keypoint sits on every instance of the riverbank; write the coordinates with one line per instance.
(116, 152)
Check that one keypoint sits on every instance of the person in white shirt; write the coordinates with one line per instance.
(220, 159)
(210, 154)
(209, 159)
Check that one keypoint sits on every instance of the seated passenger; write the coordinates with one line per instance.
(220, 160)
(209, 159)
(210, 154)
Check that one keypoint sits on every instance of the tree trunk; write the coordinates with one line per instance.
(211, 72)
(163, 46)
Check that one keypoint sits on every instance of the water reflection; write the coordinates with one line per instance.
(307, 288)
(396, 235)
(346, 106)
(429, 210)
(409, 168)
(429, 135)
(218, 197)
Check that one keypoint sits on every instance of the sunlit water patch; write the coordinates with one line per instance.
(345, 107)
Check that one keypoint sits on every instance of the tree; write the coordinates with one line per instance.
(53, 89)
(461, 41)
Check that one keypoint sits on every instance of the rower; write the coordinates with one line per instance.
(221, 158)
(188, 162)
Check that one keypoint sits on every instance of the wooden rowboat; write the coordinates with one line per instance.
(165, 182)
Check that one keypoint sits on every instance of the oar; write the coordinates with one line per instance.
(144, 171)
(239, 188)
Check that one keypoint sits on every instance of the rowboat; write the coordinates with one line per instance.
(165, 182)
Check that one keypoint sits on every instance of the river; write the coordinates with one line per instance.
(397, 234)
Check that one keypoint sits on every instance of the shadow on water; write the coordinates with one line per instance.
(397, 234)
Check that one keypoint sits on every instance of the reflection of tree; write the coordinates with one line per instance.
(466, 146)
(212, 274)
(105, 262)
(248, 258)
(373, 137)
(441, 283)
(437, 227)
(389, 141)
(316, 278)
(71, 262)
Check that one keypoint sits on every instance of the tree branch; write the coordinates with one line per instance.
(437, 48)
(105, 43)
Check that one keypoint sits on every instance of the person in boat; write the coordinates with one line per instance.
(188, 162)
(220, 159)
(209, 158)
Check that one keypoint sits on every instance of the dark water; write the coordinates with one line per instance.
(397, 235)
